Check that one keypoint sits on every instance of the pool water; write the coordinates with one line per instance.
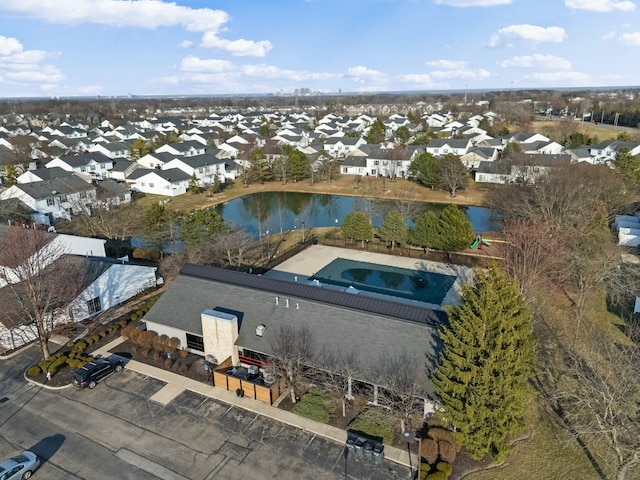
(417, 285)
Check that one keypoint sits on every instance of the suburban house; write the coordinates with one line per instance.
(206, 168)
(95, 164)
(59, 198)
(607, 150)
(104, 283)
(523, 168)
(186, 149)
(40, 174)
(439, 147)
(340, 147)
(234, 317)
(171, 182)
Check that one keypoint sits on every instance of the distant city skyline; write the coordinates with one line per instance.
(64, 48)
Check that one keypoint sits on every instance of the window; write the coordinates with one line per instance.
(83, 194)
(151, 185)
(376, 162)
(50, 202)
(195, 342)
(94, 305)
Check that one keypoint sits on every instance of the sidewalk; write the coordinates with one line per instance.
(176, 384)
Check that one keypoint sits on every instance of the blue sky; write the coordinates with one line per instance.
(156, 47)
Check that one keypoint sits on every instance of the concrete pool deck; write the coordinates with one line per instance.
(314, 258)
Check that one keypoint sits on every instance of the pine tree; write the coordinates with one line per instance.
(425, 230)
(455, 232)
(376, 133)
(485, 364)
(393, 228)
(357, 226)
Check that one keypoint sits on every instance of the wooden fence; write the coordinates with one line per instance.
(246, 388)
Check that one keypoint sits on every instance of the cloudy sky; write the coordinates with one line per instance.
(157, 47)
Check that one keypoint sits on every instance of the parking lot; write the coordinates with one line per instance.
(115, 432)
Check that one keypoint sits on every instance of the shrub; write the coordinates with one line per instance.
(134, 317)
(95, 338)
(123, 323)
(115, 327)
(437, 476)
(159, 342)
(429, 450)
(173, 343)
(145, 338)
(103, 334)
(168, 363)
(445, 467)
(447, 451)
(131, 333)
(90, 341)
(34, 371)
(183, 369)
(375, 422)
(184, 353)
(70, 343)
(156, 356)
(80, 346)
(316, 404)
(145, 352)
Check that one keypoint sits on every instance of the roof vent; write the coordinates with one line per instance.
(260, 330)
(287, 302)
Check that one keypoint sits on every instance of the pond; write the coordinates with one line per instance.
(276, 212)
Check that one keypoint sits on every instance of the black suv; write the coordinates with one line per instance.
(96, 371)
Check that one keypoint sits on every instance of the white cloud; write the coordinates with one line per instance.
(238, 48)
(195, 64)
(423, 79)
(609, 36)
(9, 45)
(528, 33)
(547, 62)
(561, 78)
(473, 3)
(447, 64)
(89, 90)
(361, 74)
(601, 5)
(185, 44)
(271, 72)
(630, 38)
(118, 13)
(44, 74)
(463, 74)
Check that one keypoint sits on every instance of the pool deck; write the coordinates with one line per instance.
(314, 258)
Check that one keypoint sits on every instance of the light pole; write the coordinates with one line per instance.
(302, 232)
(409, 436)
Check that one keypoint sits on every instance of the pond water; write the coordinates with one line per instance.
(275, 212)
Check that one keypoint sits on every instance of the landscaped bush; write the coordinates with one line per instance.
(156, 356)
(168, 363)
(80, 346)
(103, 334)
(145, 352)
(90, 341)
(172, 344)
(131, 333)
(316, 404)
(437, 476)
(429, 450)
(184, 353)
(145, 338)
(375, 422)
(159, 342)
(95, 338)
(447, 451)
(53, 364)
(34, 371)
(134, 317)
(70, 343)
(444, 467)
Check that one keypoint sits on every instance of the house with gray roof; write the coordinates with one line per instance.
(228, 314)
(54, 199)
(94, 164)
(170, 182)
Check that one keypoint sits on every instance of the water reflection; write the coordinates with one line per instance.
(276, 212)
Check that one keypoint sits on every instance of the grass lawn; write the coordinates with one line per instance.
(603, 132)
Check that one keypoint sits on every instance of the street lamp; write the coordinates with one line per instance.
(409, 436)
(302, 232)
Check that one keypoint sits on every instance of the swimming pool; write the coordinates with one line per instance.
(417, 285)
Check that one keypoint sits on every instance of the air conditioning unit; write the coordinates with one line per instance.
(260, 330)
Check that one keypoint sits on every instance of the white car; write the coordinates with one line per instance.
(19, 467)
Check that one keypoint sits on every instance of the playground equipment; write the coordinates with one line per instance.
(479, 241)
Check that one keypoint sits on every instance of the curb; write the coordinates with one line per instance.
(44, 385)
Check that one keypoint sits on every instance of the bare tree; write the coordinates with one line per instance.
(292, 349)
(235, 244)
(115, 222)
(371, 198)
(400, 389)
(452, 174)
(408, 203)
(339, 369)
(533, 255)
(598, 396)
(38, 281)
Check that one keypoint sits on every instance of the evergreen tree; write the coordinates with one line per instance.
(299, 165)
(425, 230)
(454, 230)
(423, 169)
(393, 228)
(199, 225)
(628, 165)
(376, 133)
(357, 226)
(485, 364)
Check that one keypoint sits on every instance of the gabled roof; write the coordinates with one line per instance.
(56, 186)
(77, 161)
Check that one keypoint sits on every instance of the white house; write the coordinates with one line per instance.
(105, 284)
(95, 164)
(59, 198)
(171, 183)
(206, 168)
(440, 146)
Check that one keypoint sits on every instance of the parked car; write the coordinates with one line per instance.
(19, 467)
(96, 371)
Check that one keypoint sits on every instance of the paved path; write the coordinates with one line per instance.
(176, 384)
